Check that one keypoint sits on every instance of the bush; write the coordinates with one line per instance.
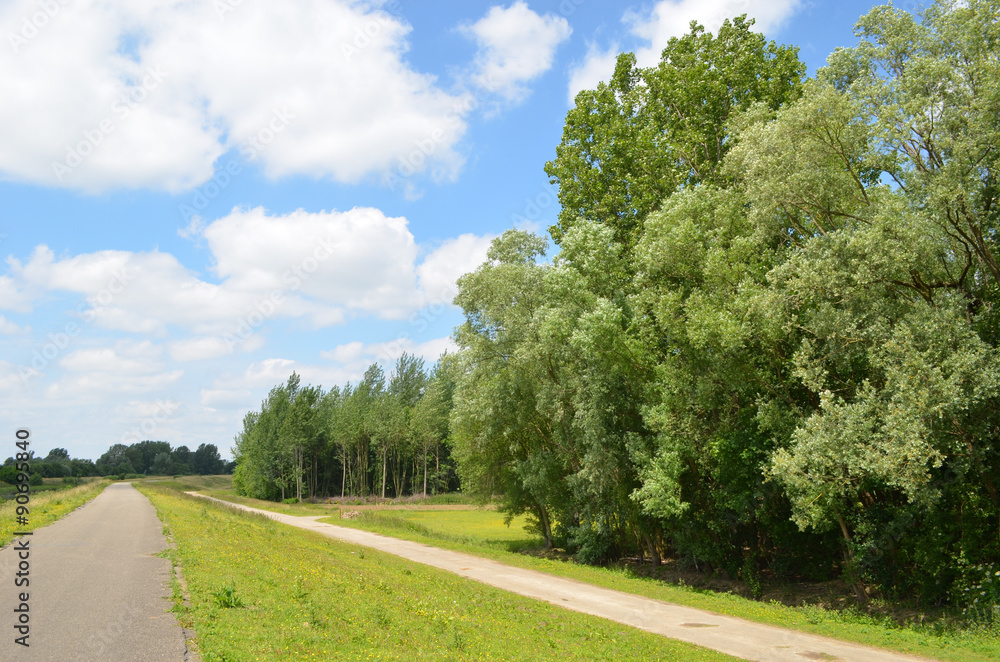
(290, 500)
(36, 478)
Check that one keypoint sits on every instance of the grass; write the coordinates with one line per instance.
(46, 508)
(260, 590)
(193, 483)
(482, 533)
(478, 528)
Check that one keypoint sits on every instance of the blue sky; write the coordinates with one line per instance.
(200, 197)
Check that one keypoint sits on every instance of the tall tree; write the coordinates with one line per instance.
(649, 131)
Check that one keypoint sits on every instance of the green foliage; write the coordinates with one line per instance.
(770, 338)
(225, 597)
(649, 132)
(372, 438)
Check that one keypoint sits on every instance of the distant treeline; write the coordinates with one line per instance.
(370, 438)
(144, 457)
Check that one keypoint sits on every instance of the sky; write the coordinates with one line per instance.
(202, 196)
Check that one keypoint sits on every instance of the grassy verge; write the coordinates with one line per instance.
(263, 591)
(46, 508)
(483, 533)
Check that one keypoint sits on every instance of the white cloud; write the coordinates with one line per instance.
(355, 357)
(150, 94)
(345, 353)
(9, 328)
(597, 66)
(442, 267)
(127, 367)
(672, 18)
(321, 268)
(125, 359)
(209, 347)
(227, 398)
(359, 259)
(516, 45)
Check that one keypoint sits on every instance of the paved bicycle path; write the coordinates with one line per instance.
(734, 636)
(96, 588)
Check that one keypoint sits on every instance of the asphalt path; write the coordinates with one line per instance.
(734, 636)
(97, 589)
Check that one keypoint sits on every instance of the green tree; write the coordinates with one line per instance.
(648, 132)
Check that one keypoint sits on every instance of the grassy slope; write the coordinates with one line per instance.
(46, 508)
(482, 533)
(307, 597)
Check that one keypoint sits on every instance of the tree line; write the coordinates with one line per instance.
(380, 437)
(768, 340)
(155, 458)
(767, 344)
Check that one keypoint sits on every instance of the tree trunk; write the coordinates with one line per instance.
(343, 480)
(654, 554)
(543, 520)
(298, 473)
(425, 471)
(850, 568)
(383, 472)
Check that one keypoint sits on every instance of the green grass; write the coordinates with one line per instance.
(46, 508)
(193, 483)
(260, 590)
(479, 528)
(482, 533)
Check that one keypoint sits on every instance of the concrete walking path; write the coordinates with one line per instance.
(96, 588)
(734, 636)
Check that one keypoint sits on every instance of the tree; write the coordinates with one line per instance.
(57, 455)
(181, 459)
(646, 133)
(503, 445)
(162, 465)
(206, 460)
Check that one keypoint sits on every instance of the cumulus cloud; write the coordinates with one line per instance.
(358, 259)
(321, 268)
(355, 357)
(107, 94)
(596, 67)
(516, 45)
(442, 267)
(209, 347)
(127, 367)
(672, 18)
